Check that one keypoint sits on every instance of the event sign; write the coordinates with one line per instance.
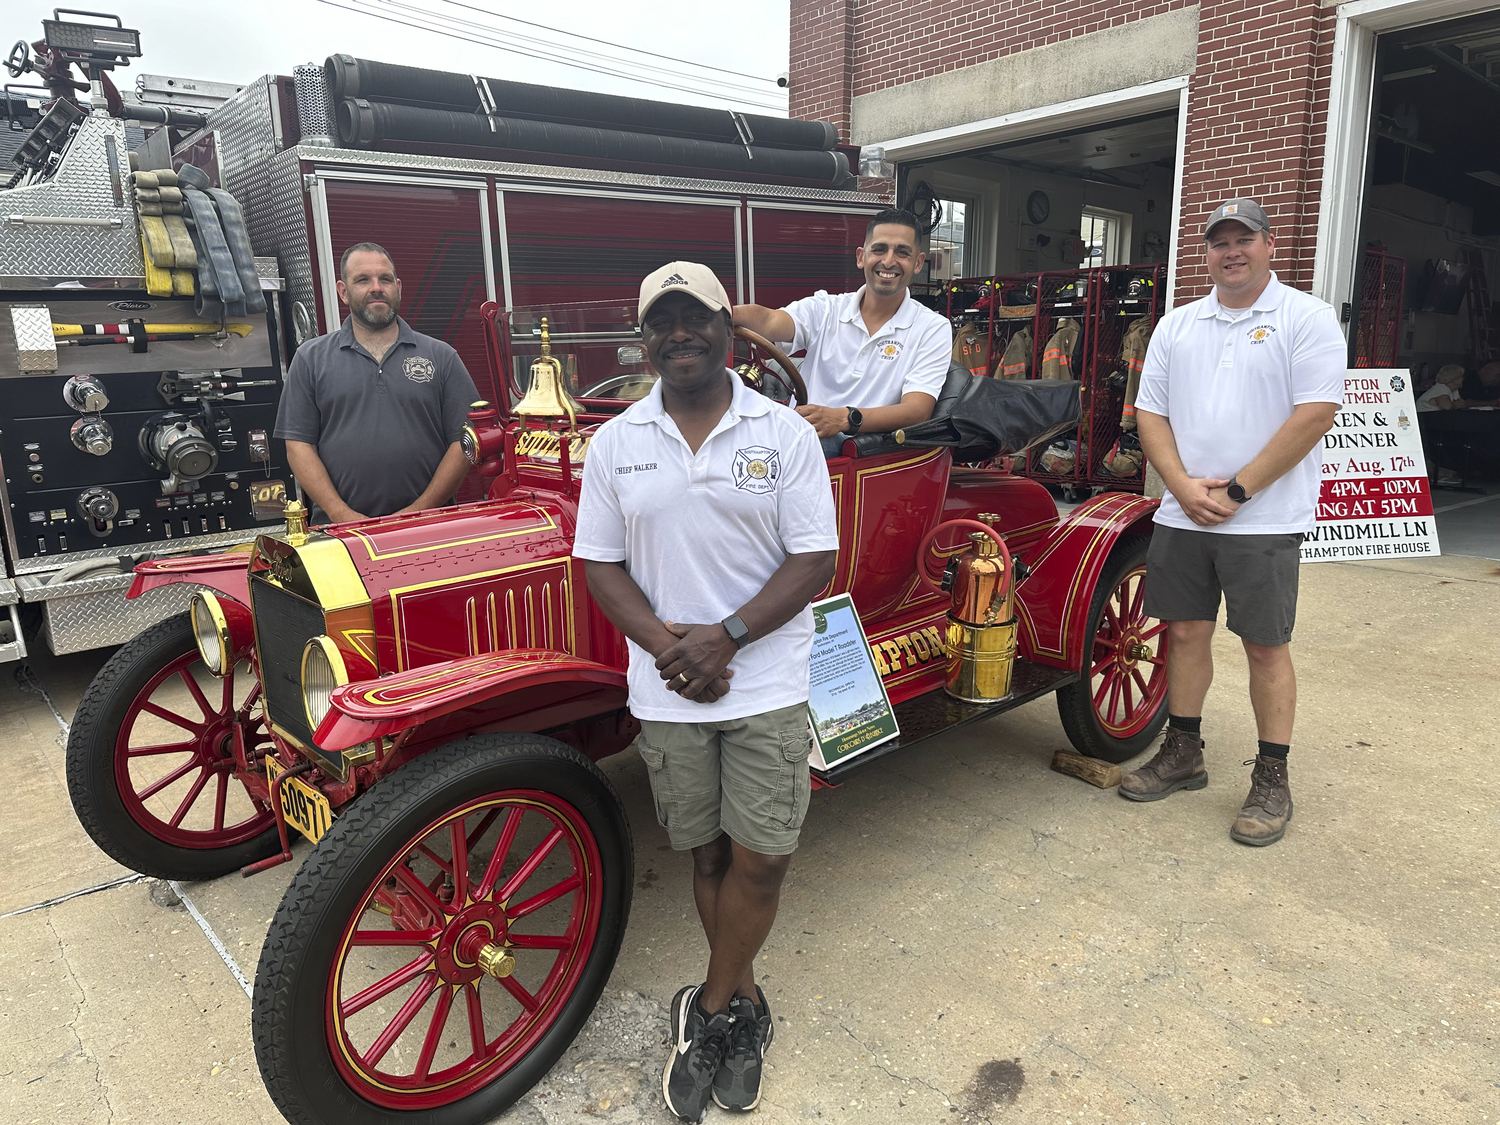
(847, 708)
(1374, 502)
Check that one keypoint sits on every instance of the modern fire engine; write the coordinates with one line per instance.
(141, 401)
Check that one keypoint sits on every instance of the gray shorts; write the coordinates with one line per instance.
(1187, 571)
(747, 778)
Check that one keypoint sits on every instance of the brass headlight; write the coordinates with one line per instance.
(211, 631)
(469, 443)
(322, 671)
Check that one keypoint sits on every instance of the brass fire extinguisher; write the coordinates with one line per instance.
(981, 623)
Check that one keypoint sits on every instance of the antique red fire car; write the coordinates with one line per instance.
(425, 697)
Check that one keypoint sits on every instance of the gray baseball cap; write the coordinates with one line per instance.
(1245, 211)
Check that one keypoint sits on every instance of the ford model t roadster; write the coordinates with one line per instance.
(424, 697)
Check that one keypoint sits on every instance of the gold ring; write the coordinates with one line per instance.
(683, 677)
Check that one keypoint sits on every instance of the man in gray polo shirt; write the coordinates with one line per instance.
(372, 414)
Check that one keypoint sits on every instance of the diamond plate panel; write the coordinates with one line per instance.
(267, 183)
(36, 349)
(103, 617)
(83, 187)
(217, 539)
(8, 595)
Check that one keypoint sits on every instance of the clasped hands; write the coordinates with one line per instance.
(1205, 500)
(697, 666)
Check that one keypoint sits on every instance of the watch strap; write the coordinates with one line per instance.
(738, 631)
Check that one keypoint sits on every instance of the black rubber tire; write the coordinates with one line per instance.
(287, 1012)
(1075, 705)
(91, 763)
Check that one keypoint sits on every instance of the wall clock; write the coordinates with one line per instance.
(1038, 207)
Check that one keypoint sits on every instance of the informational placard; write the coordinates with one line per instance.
(1374, 502)
(848, 708)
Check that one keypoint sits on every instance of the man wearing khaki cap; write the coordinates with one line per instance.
(1237, 391)
(706, 523)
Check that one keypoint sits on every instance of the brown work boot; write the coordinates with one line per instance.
(1264, 818)
(1177, 765)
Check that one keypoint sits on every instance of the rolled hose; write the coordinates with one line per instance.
(349, 77)
(364, 124)
(77, 569)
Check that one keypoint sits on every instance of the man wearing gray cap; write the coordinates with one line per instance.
(706, 524)
(1237, 391)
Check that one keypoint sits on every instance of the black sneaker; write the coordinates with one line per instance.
(699, 1044)
(737, 1084)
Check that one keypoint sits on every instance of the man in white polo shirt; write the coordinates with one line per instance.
(707, 526)
(1237, 391)
(876, 360)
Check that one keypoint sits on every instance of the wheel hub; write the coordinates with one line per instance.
(473, 944)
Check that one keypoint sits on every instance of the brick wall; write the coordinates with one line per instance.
(1257, 101)
(822, 61)
(1257, 109)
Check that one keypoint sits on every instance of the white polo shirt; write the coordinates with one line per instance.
(702, 533)
(1226, 380)
(846, 366)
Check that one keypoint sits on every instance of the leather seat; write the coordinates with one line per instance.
(871, 445)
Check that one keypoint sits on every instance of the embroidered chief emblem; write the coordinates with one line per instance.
(889, 350)
(419, 369)
(1260, 333)
(756, 468)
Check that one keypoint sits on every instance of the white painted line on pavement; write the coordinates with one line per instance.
(1466, 503)
(212, 937)
(120, 882)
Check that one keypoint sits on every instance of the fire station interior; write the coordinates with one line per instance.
(1429, 251)
(1048, 255)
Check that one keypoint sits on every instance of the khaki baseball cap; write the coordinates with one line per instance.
(683, 277)
(1245, 211)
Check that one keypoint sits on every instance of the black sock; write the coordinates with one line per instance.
(1192, 726)
(702, 1011)
(1274, 749)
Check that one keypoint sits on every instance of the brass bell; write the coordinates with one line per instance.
(547, 396)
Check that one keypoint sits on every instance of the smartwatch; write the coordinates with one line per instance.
(856, 420)
(1237, 491)
(738, 633)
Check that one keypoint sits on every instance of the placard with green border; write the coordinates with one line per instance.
(847, 708)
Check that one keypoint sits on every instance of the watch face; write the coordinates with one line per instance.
(1038, 207)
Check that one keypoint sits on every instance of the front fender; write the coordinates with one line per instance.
(389, 704)
(229, 574)
(1053, 602)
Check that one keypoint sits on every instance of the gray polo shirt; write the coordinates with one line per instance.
(381, 428)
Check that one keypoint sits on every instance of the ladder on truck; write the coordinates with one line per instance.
(1483, 333)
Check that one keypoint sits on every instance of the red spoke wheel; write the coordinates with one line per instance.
(151, 768)
(1119, 705)
(446, 940)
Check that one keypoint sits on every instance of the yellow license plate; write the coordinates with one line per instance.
(305, 809)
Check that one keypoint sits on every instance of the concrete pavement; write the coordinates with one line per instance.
(965, 935)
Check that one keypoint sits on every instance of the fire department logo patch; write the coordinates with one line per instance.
(889, 350)
(1260, 333)
(756, 468)
(419, 369)
(1398, 384)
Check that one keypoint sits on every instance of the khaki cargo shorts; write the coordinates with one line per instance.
(747, 778)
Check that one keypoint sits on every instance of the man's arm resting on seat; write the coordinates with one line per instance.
(774, 324)
(311, 474)
(450, 474)
(914, 407)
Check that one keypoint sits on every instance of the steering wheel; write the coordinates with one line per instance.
(926, 555)
(18, 62)
(760, 346)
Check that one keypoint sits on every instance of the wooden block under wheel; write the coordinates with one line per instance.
(1092, 770)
